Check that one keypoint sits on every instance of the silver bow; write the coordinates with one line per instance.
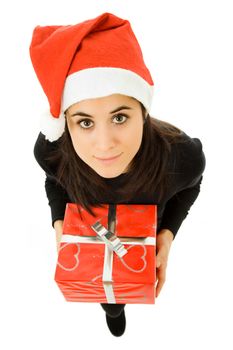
(110, 238)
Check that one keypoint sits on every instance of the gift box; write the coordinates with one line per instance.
(110, 258)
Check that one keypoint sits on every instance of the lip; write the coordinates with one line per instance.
(108, 159)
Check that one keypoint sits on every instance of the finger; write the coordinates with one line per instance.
(161, 278)
(161, 260)
(159, 287)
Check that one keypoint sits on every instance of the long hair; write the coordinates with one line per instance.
(148, 169)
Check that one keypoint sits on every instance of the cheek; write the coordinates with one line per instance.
(134, 138)
(80, 144)
(75, 139)
(79, 141)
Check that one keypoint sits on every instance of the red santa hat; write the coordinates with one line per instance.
(91, 59)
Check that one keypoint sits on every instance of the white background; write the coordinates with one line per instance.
(187, 46)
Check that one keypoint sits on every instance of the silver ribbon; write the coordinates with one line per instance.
(108, 257)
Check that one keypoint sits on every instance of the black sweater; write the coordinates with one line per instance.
(189, 164)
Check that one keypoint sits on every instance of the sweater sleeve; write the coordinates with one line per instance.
(57, 198)
(178, 206)
(191, 165)
(56, 194)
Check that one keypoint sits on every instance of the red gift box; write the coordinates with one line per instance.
(109, 258)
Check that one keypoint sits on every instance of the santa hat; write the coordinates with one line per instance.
(91, 59)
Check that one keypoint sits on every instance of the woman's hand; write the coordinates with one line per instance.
(58, 225)
(163, 244)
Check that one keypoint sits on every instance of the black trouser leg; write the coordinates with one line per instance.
(113, 310)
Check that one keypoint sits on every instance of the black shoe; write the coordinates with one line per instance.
(117, 324)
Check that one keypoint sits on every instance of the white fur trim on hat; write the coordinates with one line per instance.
(104, 81)
(52, 127)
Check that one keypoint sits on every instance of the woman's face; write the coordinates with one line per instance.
(99, 128)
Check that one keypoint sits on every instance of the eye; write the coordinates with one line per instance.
(121, 115)
(84, 121)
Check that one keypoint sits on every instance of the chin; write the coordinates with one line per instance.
(109, 174)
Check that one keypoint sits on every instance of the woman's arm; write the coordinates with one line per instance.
(190, 164)
(178, 206)
(56, 194)
(175, 212)
(57, 198)
(164, 241)
(58, 226)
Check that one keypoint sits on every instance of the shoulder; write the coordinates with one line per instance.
(43, 150)
(190, 148)
(188, 160)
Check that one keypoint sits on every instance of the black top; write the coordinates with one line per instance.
(189, 164)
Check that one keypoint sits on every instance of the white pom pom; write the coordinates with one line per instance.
(52, 127)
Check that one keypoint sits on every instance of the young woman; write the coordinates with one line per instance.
(100, 144)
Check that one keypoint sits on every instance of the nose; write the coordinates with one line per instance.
(104, 140)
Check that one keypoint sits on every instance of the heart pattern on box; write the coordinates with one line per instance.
(73, 250)
(134, 254)
(66, 249)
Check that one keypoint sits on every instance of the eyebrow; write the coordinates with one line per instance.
(88, 115)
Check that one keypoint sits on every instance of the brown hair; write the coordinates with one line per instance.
(148, 169)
